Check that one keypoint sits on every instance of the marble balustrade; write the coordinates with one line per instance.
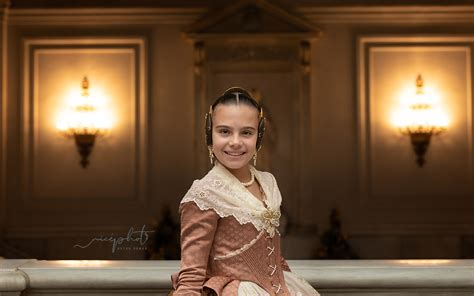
(330, 277)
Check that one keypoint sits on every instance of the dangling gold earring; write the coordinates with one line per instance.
(211, 156)
(255, 159)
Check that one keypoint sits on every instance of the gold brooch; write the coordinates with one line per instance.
(271, 218)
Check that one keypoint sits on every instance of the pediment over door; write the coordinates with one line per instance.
(251, 20)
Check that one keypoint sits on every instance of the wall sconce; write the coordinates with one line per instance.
(84, 121)
(421, 119)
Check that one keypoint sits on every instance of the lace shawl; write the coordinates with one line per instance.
(222, 192)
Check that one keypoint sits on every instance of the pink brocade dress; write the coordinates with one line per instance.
(217, 257)
(230, 244)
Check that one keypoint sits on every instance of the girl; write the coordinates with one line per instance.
(230, 244)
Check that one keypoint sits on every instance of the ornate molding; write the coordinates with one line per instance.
(105, 16)
(185, 16)
(247, 16)
(389, 14)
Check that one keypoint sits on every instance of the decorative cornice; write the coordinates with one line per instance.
(186, 16)
(297, 26)
(389, 14)
(216, 16)
(271, 38)
(105, 16)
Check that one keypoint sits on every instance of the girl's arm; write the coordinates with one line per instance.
(197, 234)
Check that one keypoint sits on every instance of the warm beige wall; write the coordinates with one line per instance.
(334, 169)
(172, 117)
(396, 223)
(333, 124)
(49, 225)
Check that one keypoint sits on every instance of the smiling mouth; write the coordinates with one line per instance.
(234, 154)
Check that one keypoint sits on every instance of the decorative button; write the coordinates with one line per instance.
(273, 267)
(278, 288)
(271, 250)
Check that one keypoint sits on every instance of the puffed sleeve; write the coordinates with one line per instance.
(197, 234)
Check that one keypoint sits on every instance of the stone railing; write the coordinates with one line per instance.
(330, 277)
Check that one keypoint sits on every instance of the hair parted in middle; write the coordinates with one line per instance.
(235, 95)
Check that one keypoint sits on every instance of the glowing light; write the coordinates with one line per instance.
(420, 111)
(85, 119)
(86, 113)
(420, 116)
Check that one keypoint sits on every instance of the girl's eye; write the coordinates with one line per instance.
(224, 131)
(248, 133)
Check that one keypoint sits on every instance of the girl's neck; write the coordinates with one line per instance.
(242, 174)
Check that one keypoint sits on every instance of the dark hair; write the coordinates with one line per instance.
(236, 95)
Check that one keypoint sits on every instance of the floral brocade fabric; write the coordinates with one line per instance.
(230, 244)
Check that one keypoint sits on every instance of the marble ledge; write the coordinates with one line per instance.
(18, 275)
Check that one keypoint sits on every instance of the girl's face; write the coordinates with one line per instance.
(234, 135)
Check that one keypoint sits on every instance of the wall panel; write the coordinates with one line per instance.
(399, 195)
(55, 187)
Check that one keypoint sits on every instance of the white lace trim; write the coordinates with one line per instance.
(241, 250)
(220, 191)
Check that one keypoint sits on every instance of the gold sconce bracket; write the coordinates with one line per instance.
(84, 143)
(420, 143)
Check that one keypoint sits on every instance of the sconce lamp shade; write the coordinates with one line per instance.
(84, 121)
(421, 119)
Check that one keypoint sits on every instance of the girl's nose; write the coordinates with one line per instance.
(235, 140)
